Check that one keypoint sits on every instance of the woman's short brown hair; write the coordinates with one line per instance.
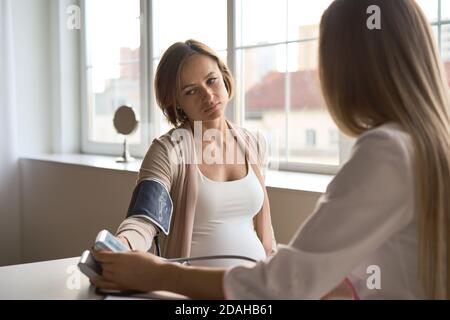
(168, 74)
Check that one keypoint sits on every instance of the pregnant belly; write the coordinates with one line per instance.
(226, 240)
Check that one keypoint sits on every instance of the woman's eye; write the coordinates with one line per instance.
(212, 80)
(191, 92)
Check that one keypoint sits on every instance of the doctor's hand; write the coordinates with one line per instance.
(130, 271)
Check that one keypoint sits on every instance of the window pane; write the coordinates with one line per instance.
(303, 20)
(310, 138)
(430, 8)
(281, 92)
(163, 125)
(180, 20)
(445, 9)
(260, 21)
(445, 41)
(223, 55)
(435, 34)
(445, 38)
(113, 42)
(115, 92)
(261, 77)
(312, 134)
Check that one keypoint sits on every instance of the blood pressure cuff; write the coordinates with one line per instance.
(152, 201)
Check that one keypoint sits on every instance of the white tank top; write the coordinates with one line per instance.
(223, 223)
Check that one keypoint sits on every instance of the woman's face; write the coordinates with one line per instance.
(203, 92)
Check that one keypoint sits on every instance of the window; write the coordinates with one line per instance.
(445, 10)
(310, 138)
(444, 38)
(192, 22)
(270, 46)
(333, 141)
(112, 65)
(277, 75)
(438, 13)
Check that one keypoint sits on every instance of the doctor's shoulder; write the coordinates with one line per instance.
(387, 141)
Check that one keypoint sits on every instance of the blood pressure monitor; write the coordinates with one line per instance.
(104, 241)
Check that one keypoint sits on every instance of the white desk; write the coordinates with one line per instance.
(56, 279)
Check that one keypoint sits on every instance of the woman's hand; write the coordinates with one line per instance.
(130, 271)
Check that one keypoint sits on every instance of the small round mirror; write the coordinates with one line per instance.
(125, 120)
(125, 123)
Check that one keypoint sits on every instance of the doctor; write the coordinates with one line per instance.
(387, 209)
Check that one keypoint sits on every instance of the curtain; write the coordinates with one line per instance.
(9, 166)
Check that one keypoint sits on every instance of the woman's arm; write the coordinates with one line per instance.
(263, 223)
(263, 220)
(195, 282)
(137, 233)
(145, 272)
(136, 229)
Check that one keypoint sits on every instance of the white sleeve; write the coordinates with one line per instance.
(370, 199)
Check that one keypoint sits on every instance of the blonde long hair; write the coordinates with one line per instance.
(370, 77)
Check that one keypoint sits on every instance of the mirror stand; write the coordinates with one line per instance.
(125, 154)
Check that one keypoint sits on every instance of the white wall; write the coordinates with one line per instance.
(289, 209)
(31, 27)
(32, 65)
(66, 205)
(47, 84)
(47, 76)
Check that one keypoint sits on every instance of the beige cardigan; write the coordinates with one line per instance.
(172, 164)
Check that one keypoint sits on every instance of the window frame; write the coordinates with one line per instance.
(149, 116)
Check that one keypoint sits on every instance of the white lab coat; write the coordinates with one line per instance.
(366, 218)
